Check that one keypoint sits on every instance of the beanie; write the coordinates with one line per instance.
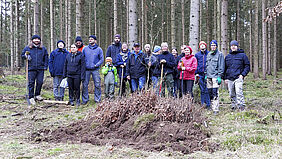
(157, 48)
(117, 35)
(109, 59)
(186, 46)
(78, 38)
(93, 36)
(234, 42)
(202, 42)
(35, 37)
(61, 42)
(214, 42)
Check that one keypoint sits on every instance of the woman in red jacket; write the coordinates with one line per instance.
(187, 64)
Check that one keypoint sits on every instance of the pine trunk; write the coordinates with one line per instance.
(256, 48)
(163, 35)
(264, 41)
(200, 21)
(224, 27)
(36, 18)
(208, 24)
(28, 23)
(146, 22)
(1, 31)
(115, 17)
(127, 22)
(69, 24)
(183, 21)
(51, 26)
(194, 25)
(218, 13)
(132, 29)
(78, 18)
(275, 47)
(66, 23)
(61, 19)
(89, 17)
(142, 22)
(238, 32)
(16, 33)
(268, 45)
(12, 37)
(95, 18)
(172, 21)
(41, 19)
(250, 38)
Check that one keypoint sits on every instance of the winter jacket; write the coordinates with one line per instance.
(56, 62)
(170, 62)
(202, 60)
(94, 57)
(38, 55)
(153, 59)
(106, 69)
(135, 66)
(215, 64)
(75, 66)
(112, 51)
(236, 63)
(190, 64)
(122, 58)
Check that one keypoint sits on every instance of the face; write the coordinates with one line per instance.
(213, 47)
(117, 40)
(187, 51)
(182, 48)
(234, 47)
(124, 47)
(78, 43)
(203, 47)
(61, 45)
(147, 48)
(73, 48)
(174, 52)
(164, 48)
(91, 41)
(137, 49)
(36, 41)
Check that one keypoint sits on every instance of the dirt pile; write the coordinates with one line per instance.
(142, 121)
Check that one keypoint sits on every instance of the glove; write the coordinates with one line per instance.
(28, 57)
(218, 80)
(206, 77)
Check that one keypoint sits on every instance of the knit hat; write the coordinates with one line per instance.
(157, 48)
(214, 42)
(189, 48)
(109, 59)
(78, 38)
(35, 37)
(93, 36)
(234, 42)
(136, 44)
(117, 35)
(202, 42)
(61, 42)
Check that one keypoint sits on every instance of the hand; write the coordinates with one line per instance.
(149, 64)
(183, 68)
(124, 64)
(128, 77)
(241, 76)
(121, 66)
(218, 80)
(163, 61)
(206, 77)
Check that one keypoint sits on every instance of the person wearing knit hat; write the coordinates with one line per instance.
(94, 58)
(177, 76)
(79, 44)
(114, 48)
(56, 67)
(151, 63)
(37, 57)
(214, 73)
(237, 66)
(201, 57)
(111, 79)
(157, 50)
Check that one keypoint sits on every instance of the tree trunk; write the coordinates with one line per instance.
(69, 23)
(172, 21)
(89, 17)
(275, 47)
(163, 35)
(16, 33)
(12, 36)
(1, 36)
(146, 22)
(264, 41)
(214, 19)
(250, 40)
(224, 27)
(183, 20)
(51, 26)
(256, 48)
(238, 32)
(61, 19)
(41, 19)
(269, 45)
(78, 18)
(200, 21)
(208, 23)
(95, 18)
(132, 29)
(66, 23)
(218, 13)
(142, 22)
(36, 18)
(115, 16)
(194, 25)
(127, 22)
(28, 23)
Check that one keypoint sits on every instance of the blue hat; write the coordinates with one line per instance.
(78, 38)
(35, 37)
(93, 36)
(157, 48)
(214, 42)
(234, 42)
(136, 44)
(117, 35)
(62, 42)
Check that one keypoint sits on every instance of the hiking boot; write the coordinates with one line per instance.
(32, 101)
(57, 98)
(83, 103)
(215, 112)
(39, 98)
(77, 102)
(71, 103)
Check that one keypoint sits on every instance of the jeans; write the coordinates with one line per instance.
(235, 89)
(213, 93)
(97, 83)
(58, 91)
(205, 98)
(138, 82)
(35, 76)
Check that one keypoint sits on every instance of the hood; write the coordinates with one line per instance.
(236, 52)
(93, 47)
(165, 52)
(188, 56)
(62, 42)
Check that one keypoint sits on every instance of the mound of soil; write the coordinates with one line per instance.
(142, 121)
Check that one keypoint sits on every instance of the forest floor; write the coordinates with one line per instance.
(253, 133)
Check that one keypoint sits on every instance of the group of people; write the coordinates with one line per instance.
(157, 69)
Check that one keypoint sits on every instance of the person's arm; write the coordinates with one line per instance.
(119, 60)
(115, 73)
(23, 53)
(171, 62)
(221, 65)
(65, 68)
(194, 65)
(197, 58)
(46, 57)
(105, 70)
(108, 53)
(127, 68)
(83, 67)
(51, 65)
(246, 64)
(101, 57)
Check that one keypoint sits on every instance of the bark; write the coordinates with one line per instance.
(95, 18)
(268, 45)
(12, 37)
(61, 19)
(250, 40)
(69, 23)
(132, 29)
(256, 48)
(28, 23)
(163, 35)
(41, 19)
(238, 32)
(194, 25)
(214, 19)
(115, 17)
(127, 22)
(78, 18)
(89, 17)
(172, 21)
(142, 22)
(264, 41)
(208, 23)
(1, 31)
(36, 18)
(16, 33)
(275, 47)
(200, 21)
(66, 23)
(218, 30)
(224, 27)
(51, 26)
(183, 20)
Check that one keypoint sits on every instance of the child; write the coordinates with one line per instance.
(110, 73)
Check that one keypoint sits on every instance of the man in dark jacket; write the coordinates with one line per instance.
(74, 70)
(114, 49)
(201, 57)
(177, 76)
(94, 58)
(37, 57)
(136, 68)
(56, 67)
(79, 44)
(237, 66)
(168, 63)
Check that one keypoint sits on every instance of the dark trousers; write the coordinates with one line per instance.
(187, 87)
(35, 76)
(123, 86)
(74, 88)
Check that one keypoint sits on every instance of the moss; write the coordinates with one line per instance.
(141, 120)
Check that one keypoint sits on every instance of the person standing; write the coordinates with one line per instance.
(178, 72)
(156, 71)
(201, 57)
(79, 44)
(74, 70)
(37, 57)
(110, 73)
(94, 58)
(56, 69)
(214, 74)
(151, 62)
(114, 49)
(237, 67)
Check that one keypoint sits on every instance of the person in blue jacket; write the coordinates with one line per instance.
(94, 58)
(201, 57)
(37, 57)
(114, 49)
(237, 66)
(56, 69)
(74, 70)
(121, 61)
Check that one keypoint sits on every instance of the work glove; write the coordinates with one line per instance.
(218, 80)
(206, 77)
(163, 61)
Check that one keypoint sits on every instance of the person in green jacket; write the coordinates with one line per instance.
(111, 79)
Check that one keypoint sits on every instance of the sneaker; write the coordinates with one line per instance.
(39, 98)
(78, 103)
(32, 101)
